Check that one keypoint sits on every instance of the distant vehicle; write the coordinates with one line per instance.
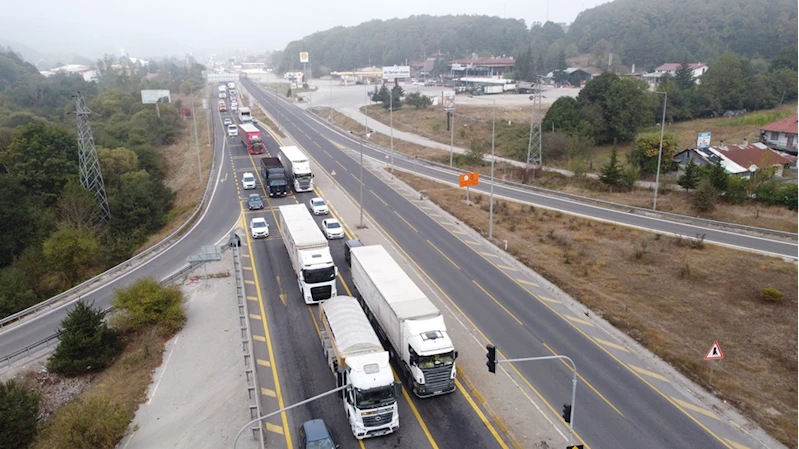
(248, 181)
(418, 83)
(314, 435)
(231, 85)
(332, 229)
(222, 106)
(259, 228)
(318, 206)
(232, 130)
(309, 253)
(227, 121)
(428, 83)
(233, 106)
(244, 115)
(255, 202)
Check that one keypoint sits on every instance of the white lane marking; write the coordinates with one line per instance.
(164, 370)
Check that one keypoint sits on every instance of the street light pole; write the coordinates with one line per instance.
(391, 124)
(491, 201)
(660, 150)
(261, 418)
(330, 112)
(451, 115)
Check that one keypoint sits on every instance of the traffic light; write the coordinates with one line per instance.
(567, 413)
(491, 355)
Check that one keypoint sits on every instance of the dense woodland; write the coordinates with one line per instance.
(646, 33)
(50, 238)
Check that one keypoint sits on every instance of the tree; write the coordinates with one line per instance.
(726, 81)
(647, 147)
(477, 151)
(146, 303)
(86, 343)
(396, 98)
(685, 76)
(786, 59)
(71, 252)
(77, 207)
(718, 177)
(690, 177)
(615, 107)
(19, 415)
(611, 173)
(418, 100)
(705, 196)
(783, 82)
(564, 114)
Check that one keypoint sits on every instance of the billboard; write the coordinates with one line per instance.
(155, 96)
(703, 141)
(397, 71)
(469, 179)
(448, 100)
(303, 57)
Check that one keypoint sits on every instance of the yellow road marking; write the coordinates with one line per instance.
(544, 298)
(505, 267)
(579, 320)
(255, 317)
(471, 242)
(442, 253)
(497, 302)
(525, 282)
(436, 215)
(736, 445)
(268, 392)
(339, 164)
(448, 223)
(280, 287)
(490, 255)
(259, 338)
(695, 408)
(586, 382)
(406, 222)
(273, 428)
(248, 282)
(252, 298)
(459, 232)
(381, 199)
(646, 372)
(480, 414)
(611, 344)
(263, 362)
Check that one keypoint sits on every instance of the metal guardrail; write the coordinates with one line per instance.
(163, 244)
(28, 350)
(582, 199)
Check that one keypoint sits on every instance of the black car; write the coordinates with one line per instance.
(254, 201)
(314, 435)
(348, 247)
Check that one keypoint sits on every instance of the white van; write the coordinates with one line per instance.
(232, 130)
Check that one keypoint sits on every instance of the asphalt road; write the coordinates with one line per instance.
(621, 410)
(733, 239)
(220, 216)
(297, 352)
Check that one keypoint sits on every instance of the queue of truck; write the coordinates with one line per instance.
(386, 302)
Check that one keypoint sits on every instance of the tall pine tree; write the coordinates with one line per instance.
(690, 177)
(611, 173)
(684, 75)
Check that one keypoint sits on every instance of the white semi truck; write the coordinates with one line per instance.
(358, 360)
(222, 92)
(407, 319)
(309, 254)
(298, 168)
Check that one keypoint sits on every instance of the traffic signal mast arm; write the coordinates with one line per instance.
(568, 409)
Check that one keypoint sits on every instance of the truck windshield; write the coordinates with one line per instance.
(257, 145)
(376, 397)
(433, 361)
(277, 183)
(302, 176)
(319, 275)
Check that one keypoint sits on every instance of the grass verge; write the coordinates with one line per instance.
(673, 295)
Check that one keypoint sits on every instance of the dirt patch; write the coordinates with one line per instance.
(55, 390)
(182, 175)
(673, 295)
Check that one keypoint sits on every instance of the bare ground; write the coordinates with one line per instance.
(674, 296)
(182, 175)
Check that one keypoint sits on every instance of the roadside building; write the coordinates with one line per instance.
(737, 159)
(670, 68)
(781, 135)
(493, 67)
(573, 76)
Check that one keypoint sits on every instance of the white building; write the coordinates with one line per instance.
(88, 73)
(697, 70)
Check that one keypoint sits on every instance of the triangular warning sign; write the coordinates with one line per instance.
(333, 173)
(715, 352)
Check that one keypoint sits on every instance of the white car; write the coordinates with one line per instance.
(227, 121)
(332, 228)
(232, 130)
(248, 181)
(259, 228)
(318, 206)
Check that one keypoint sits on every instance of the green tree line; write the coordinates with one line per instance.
(50, 239)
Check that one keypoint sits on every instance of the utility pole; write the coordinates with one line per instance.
(91, 178)
(491, 205)
(391, 123)
(330, 111)
(534, 149)
(660, 151)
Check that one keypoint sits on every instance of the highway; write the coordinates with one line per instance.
(285, 337)
(217, 220)
(616, 406)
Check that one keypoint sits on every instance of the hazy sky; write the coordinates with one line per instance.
(147, 28)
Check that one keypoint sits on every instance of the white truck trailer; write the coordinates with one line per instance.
(358, 360)
(309, 254)
(222, 92)
(298, 168)
(407, 319)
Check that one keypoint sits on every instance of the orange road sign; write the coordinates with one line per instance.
(470, 179)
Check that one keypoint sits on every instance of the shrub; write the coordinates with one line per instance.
(146, 303)
(736, 191)
(641, 248)
(771, 294)
(87, 343)
(697, 242)
(19, 415)
(705, 196)
(89, 423)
